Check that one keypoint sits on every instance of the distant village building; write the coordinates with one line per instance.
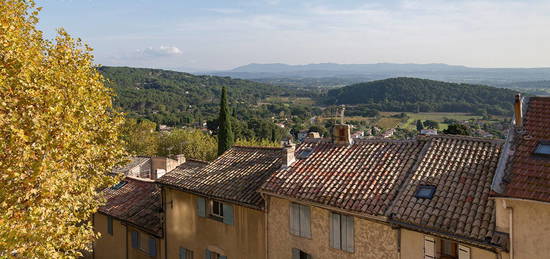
(428, 132)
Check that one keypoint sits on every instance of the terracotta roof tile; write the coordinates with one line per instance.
(362, 177)
(528, 175)
(137, 202)
(234, 176)
(461, 169)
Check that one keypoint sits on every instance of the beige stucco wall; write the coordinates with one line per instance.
(530, 236)
(184, 228)
(412, 247)
(372, 240)
(109, 246)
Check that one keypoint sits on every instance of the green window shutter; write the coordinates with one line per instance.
(207, 254)
(349, 225)
(227, 214)
(335, 231)
(182, 253)
(294, 219)
(152, 246)
(201, 207)
(295, 253)
(110, 225)
(305, 228)
(135, 239)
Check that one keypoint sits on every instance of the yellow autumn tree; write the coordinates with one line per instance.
(59, 136)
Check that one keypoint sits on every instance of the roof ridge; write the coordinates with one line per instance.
(195, 160)
(463, 137)
(256, 147)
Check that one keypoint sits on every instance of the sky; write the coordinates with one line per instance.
(210, 35)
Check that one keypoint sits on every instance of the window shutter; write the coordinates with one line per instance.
(305, 228)
(152, 246)
(335, 231)
(207, 254)
(135, 239)
(227, 214)
(182, 253)
(429, 247)
(295, 253)
(110, 225)
(201, 207)
(223, 257)
(294, 219)
(463, 252)
(348, 246)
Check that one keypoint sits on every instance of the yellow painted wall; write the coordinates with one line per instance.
(412, 247)
(184, 228)
(530, 236)
(143, 252)
(372, 240)
(109, 246)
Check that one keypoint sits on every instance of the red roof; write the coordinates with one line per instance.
(137, 202)
(362, 177)
(527, 174)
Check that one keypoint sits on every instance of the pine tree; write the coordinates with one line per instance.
(225, 134)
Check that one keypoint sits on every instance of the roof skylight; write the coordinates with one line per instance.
(543, 148)
(425, 192)
(119, 185)
(304, 153)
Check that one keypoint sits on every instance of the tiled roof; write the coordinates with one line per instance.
(362, 177)
(461, 169)
(528, 175)
(179, 175)
(137, 202)
(235, 176)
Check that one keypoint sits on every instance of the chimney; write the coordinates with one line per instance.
(313, 134)
(288, 153)
(341, 134)
(518, 113)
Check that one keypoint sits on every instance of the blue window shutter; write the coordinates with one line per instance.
(349, 234)
(201, 207)
(305, 228)
(207, 254)
(135, 239)
(335, 234)
(295, 253)
(182, 253)
(223, 257)
(110, 225)
(227, 214)
(152, 246)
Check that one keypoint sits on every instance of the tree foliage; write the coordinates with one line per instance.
(225, 133)
(419, 125)
(59, 138)
(192, 143)
(458, 129)
(140, 137)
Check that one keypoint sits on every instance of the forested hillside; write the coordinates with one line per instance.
(412, 94)
(176, 98)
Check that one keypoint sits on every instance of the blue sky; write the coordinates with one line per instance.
(217, 35)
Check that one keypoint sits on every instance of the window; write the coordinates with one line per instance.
(543, 148)
(304, 153)
(299, 254)
(341, 232)
(110, 225)
(300, 220)
(119, 185)
(213, 255)
(216, 209)
(185, 253)
(425, 192)
(135, 239)
(444, 249)
(152, 247)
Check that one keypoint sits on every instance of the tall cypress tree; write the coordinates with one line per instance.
(225, 134)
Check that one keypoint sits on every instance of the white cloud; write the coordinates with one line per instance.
(162, 51)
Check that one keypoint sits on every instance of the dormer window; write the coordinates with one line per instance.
(543, 148)
(425, 192)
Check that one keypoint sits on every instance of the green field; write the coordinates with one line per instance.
(436, 116)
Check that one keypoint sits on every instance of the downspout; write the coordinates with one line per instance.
(165, 231)
(126, 227)
(266, 219)
(398, 233)
(510, 227)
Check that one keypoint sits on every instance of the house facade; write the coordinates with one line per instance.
(521, 187)
(215, 211)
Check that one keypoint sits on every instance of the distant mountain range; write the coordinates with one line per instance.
(326, 73)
